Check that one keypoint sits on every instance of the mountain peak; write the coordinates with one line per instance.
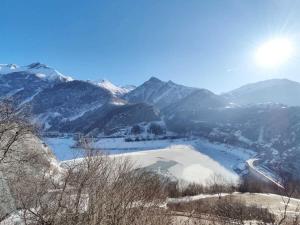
(6, 68)
(106, 84)
(37, 65)
(171, 82)
(115, 90)
(40, 70)
(45, 72)
(160, 93)
(154, 79)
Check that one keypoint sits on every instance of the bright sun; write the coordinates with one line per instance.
(274, 52)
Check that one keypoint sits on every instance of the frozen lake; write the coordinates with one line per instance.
(190, 160)
(63, 150)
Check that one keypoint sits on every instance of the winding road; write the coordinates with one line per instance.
(255, 170)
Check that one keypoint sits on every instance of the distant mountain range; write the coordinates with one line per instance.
(282, 91)
(264, 116)
(54, 99)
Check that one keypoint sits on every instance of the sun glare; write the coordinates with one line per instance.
(274, 52)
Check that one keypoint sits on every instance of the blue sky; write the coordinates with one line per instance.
(198, 43)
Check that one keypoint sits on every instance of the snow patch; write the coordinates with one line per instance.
(115, 90)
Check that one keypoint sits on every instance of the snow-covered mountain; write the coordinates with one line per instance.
(22, 83)
(269, 91)
(159, 93)
(173, 98)
(45, 73)
(66, 101)
(42, 71)
(54, 100)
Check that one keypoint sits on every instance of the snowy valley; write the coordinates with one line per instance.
(188, 135)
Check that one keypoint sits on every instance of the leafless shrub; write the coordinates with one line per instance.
(216, 184)
(226, 210)
(13, 129)
(97, 189)
(289, 188)
(15, 132)
(175, 189)
(172, 189)
(238, 210)
(193, 189)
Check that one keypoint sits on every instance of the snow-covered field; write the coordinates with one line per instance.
(186, 160)
(275, 203)
(182, 162)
